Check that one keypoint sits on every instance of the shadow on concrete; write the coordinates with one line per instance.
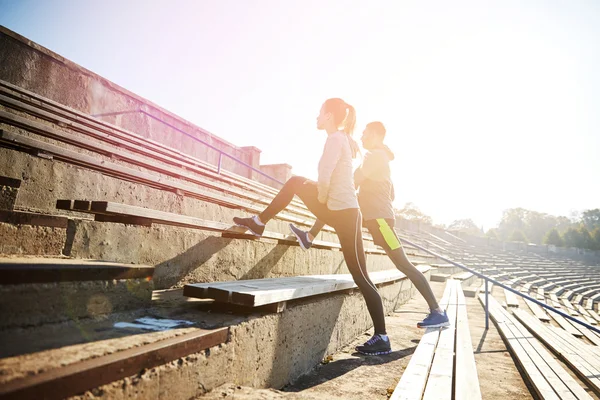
(262, 268)
(338, 368)
(170, 272)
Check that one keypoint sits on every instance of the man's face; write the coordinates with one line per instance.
(368, 139)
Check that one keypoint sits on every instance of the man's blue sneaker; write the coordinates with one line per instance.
(301, 236)
(435, 319)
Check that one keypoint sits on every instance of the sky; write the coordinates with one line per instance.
(488, 105)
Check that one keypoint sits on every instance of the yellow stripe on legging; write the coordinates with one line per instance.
(390, 237)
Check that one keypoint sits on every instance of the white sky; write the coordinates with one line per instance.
(488, 105)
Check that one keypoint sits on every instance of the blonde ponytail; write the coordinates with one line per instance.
(350, 120)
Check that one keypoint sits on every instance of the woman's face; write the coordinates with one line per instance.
(322, 118)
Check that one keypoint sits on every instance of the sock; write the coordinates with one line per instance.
(257, 220)
(384, 337)
(439, 310)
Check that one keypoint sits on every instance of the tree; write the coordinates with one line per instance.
(533, 224)
(596, 238)
(512, 220)
(586, 238)
(553, 237)
(572, 237)
(411, 212)
(517, 236)
(492, 233)
(466, 226)
(591, 219)
(562, 224)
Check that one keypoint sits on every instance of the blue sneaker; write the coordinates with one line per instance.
(301, 236)
(435, 319)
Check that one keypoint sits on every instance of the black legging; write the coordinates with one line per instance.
(384, 235)
(347, 224)
(395, 252)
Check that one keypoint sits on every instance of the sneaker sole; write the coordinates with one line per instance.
(248, 228)
(298, 238)
(434, 326)
(376, 353)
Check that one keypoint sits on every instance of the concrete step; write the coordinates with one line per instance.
(36, 291)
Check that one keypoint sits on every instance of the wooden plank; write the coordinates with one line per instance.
(413, 380)
(124, 213)
(471, 291)
(564, 323)
(511, 298)
(588, 317)
(555, 302)
(150, 179)
(112, 134)
(85, 375)
(544, 361)
(569, 307)
(295, 206)
(540, 293)
(148, 163)
(594, 315)
(588, 334)
(45, 270)
(123, 220)
(539, 384)
(439, 382)
(566, 352)
(537, 311)
(77, 121)
(33, 219)
(439, 277)
(258, 292)
(466, 381)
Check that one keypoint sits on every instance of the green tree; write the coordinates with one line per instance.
(572, 237)
(596, 238)
(553, 237)
(591, 219)
(512, 219)
(517, 236)
(533, 224)
(562, 224)
(586, 239)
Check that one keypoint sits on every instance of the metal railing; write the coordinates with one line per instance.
(497, 283)
(221, 152)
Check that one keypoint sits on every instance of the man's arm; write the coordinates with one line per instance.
(371, 168)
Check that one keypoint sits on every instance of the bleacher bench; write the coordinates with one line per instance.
(443, 365)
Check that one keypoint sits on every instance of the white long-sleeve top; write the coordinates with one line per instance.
(336, 182)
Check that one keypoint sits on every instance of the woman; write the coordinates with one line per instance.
(376, 194)
(333, 200)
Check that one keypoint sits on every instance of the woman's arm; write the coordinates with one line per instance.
(331, 155)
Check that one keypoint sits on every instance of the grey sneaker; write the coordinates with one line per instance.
(301, 236)
(375, 346)
(250, 224)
